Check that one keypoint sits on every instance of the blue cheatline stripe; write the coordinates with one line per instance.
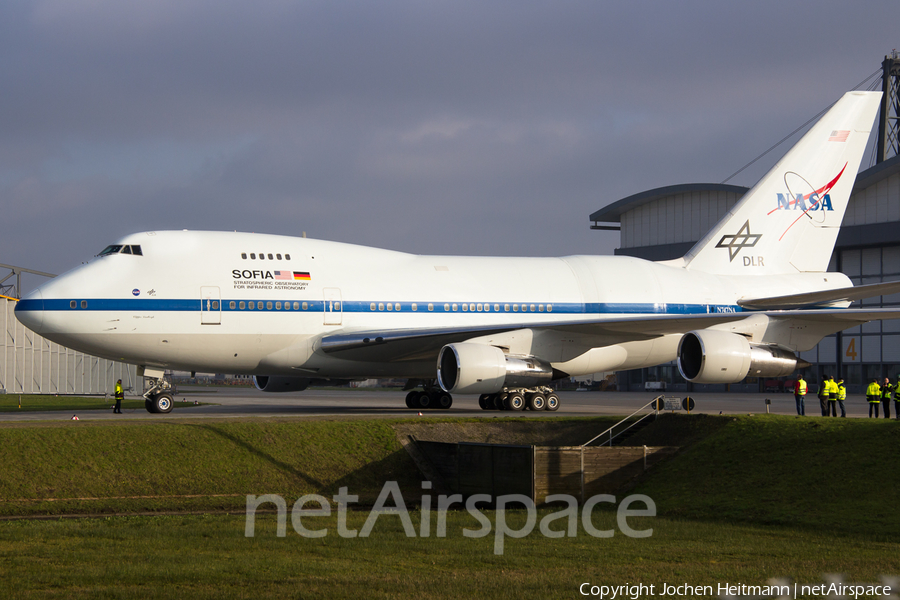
(195, 305)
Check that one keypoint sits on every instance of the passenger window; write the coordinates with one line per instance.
(251, 305)
(337, 306)
(259, 306)
(390, 306)
(270, 257)
(465, 307)
(430, 307)
(446, 308)
(472, 307)
(231, 305)
(73, 304)
(242, 305)
(540, 308)
(454, 308)
(252, 256)
(372, 306)
(244, 255)
(496, 308)
(414, 307)
(268, 306)
(278, 306)
(515, 308)
(215, 305)
(296, 306)
(549, 308)
(479, 307)
(84, 304)
(278, 256)
(506, 307)
(531, 308)
(287, 257)
(305, 306)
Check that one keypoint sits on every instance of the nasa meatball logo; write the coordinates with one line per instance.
(136, 292)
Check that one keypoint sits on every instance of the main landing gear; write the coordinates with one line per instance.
(542, 398)
(430, 397)
(160, 397)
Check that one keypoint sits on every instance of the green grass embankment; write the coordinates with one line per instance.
(127, 467)
(837, 475)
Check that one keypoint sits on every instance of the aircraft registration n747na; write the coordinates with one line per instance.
(744, 300)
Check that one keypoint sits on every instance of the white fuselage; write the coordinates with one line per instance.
(198, 301)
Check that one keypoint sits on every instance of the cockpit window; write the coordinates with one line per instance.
(120, 249)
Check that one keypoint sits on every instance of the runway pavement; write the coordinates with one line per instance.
(233, 402)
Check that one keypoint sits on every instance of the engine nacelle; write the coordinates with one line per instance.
(278, 383)
(713, 356)
(481, 369)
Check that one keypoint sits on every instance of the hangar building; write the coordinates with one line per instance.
(664, 223)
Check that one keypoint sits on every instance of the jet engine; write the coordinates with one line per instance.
(278, 383)
(468, 368)
(713, 356)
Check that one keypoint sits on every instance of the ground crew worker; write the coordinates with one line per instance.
(800, 395)
(832, 398)
(120, 395)
(897, 399)
(841, 395)
(873, 395)
(823, 392)
(886, 392)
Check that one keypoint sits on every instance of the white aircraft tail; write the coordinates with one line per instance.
(790, 220)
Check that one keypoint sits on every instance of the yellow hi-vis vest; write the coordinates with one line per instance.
(842, 392)
(873, 393)
(886, 392)
(802, 389)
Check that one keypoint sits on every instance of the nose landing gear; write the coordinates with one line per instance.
(160, 397)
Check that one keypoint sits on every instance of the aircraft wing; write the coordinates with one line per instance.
(421, 344)
(814, 299)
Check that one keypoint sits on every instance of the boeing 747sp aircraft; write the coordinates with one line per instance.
(744, 301)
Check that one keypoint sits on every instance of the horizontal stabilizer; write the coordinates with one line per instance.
(823, 298)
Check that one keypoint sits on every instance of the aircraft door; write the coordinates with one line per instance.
(210, 306)
(334, 309)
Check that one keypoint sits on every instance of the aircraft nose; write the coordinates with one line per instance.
(30, 311)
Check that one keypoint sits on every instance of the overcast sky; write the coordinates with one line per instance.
(487, 128)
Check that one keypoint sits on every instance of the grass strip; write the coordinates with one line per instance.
(209, 557)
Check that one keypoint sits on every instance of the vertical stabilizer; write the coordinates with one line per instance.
(790, 220)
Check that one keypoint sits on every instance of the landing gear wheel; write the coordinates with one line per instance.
(425, 400)
(537, 402)
(148, 404)
(444, 400)
(163, 403)
(483, 401)
(411, 400)
(515, 401)
(500, 402)
(552, 402)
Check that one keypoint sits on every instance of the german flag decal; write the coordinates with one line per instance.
(301, 276)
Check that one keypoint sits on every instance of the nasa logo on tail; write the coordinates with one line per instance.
(813, 204)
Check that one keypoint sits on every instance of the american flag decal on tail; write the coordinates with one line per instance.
(839, 135)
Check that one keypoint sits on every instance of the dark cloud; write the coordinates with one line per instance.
(447, 127)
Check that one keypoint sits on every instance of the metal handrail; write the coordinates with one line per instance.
(609, 431)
